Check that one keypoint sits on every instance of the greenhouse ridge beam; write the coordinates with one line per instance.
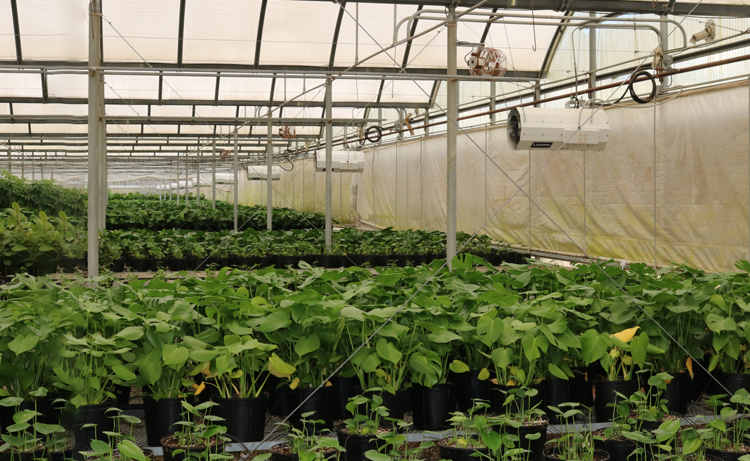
(197, 121)
(605, 6)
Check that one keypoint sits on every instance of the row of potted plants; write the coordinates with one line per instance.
(512, 330)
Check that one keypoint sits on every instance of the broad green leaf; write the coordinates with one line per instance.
(23, 343)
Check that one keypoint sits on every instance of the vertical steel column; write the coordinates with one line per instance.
(41, 171)
(187, 176)
(664, 33)
(213, 174)
(493, 94)
(269, 169)
(10, 161)
(592, 58)
(329, 163)
(95, 112)
(23, 165)
(177, 170)
(236, 180)
(452, 125)
(198, 173)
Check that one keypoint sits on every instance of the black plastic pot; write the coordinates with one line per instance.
(195, 452)
(319, 403)
(279, 401)
(723, 455)
(462, 454)
(556, 391)
(30, 456)
(44, 406)
(734, 382)
(699, 382)
(343, 390)
(618, 450)
(123, 395)
(93, 415)
(605, 392)
(470, 388)
(395, 403)
(433, 406)
(60, 455)
(275, 456)
(677, 400)
(333, 261)
(245, 419)
(535, 447)
(580, 387)
(161, 416)
(498, 397)
(550, 454)
(356, 445)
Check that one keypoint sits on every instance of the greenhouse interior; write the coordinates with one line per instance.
(375, 230)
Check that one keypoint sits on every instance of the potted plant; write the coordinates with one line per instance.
(472, 378)
(725, 435)
(465, 440)
(618, 354)
(395, 445)
(612, 439)
(573, 444)
(21, 439)
(119, 446)
(359, 433)
(303, 445)
(661, 443)
(196, 440)
(241, 370)
(434, 398)
(523, 417)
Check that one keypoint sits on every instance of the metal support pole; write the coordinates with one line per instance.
(236, 181)
(493, 94)
(187, 177)
(23, 165)
(664, 33)
(95, 112)
(41, 171)
(198, 174)
(213, 174)
(592, 58)
(177, 186)
(329, 163)
(452, 125)
(269, 168)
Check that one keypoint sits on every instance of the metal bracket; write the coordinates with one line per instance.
(668, 8)
(564, 6)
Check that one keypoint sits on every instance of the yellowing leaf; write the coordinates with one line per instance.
(627, 360)
(689, 365)
(328, 384)
(200, 388)
(294, 384)
(207, 369)
(484, 374)
(626, 335)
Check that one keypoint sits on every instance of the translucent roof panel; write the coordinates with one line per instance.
(14, 128)
(20, 85)
(59, 128)
(53, 30)
(244, 89)
(528, 44)
(188, 87)
(172, 111)
(149, 29)
(406, 91)
(122, 128)
(355, 90)
(50, 109)
(67, 86)
(288, 88)
(375, 32)
(131, 86)
(121, 109)
(298, 32)
(198, 128)
(215, 111)
(221, 31)
(7, 39)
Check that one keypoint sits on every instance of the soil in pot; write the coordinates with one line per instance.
(550, 454)
(281, 452)
(356, 445)
(319, 403)
(343, 390)
(433, 406)
(470, 388)
(245, 419)
(26, 456)
(605, 394)
(454, 453)
(169, 445)
(728, 455)
(161, 416)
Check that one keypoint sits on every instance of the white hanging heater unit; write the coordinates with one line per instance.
(260, 173)
(531, 128)
(342, 161)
